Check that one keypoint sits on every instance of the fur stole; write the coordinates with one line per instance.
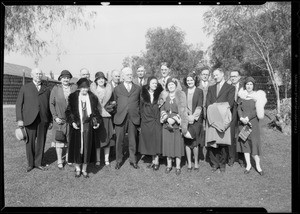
(72, 111)
(146, 96)
(260, 99)
(180, 99)
(107, 95)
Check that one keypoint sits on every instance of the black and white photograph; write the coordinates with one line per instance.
(148, 106)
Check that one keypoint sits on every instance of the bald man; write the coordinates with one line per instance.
(33, 113)
(127, 117)
(85, 73)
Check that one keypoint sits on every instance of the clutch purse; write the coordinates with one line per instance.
(60, 135)
(245, 132)
(111, 107)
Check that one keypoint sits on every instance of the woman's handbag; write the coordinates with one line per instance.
(245, 132)
(60, 135)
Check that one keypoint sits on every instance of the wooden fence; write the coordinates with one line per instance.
(12, 85)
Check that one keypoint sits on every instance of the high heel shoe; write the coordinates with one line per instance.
(60, 166)
(168, 170)
(85, 174)
(247, 171)
(77, 174)
(261, 173)
(155, 167)
(150, 166)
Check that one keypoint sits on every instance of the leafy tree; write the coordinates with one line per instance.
(26, 27)
(260, 35)
(167, 45)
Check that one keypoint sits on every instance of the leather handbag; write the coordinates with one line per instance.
(60, 135)
(245, 132)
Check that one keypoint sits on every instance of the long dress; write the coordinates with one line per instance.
(252, 144)
(150, 140)
(172, 140)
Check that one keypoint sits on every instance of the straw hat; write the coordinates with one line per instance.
(21, 134)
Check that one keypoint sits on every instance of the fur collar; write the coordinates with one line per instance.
(260, 99)
(146, 96)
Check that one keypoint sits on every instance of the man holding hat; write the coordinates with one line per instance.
(33, 113)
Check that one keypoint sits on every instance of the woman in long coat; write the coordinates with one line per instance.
(84, 118)
(250, 110)
(58, 104)
(175, 121)
(104, 92)
(151, 128)
(194, 96)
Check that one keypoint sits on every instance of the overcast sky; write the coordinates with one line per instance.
(119, 32)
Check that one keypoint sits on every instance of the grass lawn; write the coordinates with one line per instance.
(128, 187)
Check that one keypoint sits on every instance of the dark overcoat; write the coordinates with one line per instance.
(151, 128)
(72, 115)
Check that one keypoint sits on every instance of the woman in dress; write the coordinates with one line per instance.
(104, 92)
(194, 96)
(250, 110)
(151, 128)
(84, 118)
(175, 121)
(58, 105)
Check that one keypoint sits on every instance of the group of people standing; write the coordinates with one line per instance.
(161, 117)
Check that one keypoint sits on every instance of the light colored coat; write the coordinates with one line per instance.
(218, 124)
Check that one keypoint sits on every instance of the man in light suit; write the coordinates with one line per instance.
(218, 93)
(232, 154)
(33, 113)
(165, 72)
(127, 117)
(141, 79)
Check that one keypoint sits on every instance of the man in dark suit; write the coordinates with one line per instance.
(232, 154)
(115, 78)
(218, 93)
(141, 79)
(33, 112)
(127, 116)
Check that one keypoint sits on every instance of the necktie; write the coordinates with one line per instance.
(38, 86)
(141, 82)
(236, 92)
(218, 88)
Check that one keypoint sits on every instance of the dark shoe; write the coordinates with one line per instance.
(230, 163)
(261, 173)
(155, 167)
(214, 169)
(196, 169)
(134, 165)
(178, 171)
(150, 166)
(168, 170)
(222, 170)
(41, 168)
(247, 171)
(77, 174)
(242, 165)
(189, 169)
(29, 168)
(97, 164)
(118, 166)
(85, 175)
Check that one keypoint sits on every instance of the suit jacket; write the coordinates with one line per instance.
(31, 102)
(137, 81)
(226, 94)
(127, 103)
(234, 123)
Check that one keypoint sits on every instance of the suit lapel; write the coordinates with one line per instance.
(223, 89)
(133, 88)
(42, 89)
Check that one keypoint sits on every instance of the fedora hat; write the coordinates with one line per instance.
(21, 134)
(65, 73)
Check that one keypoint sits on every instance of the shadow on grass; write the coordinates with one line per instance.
(49, 156)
